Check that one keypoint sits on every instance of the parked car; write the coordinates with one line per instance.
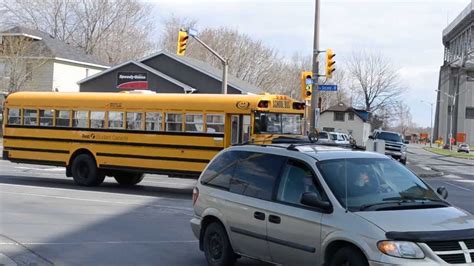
(324, 138)
(394, 144)
(306, 204)
(463, 148)
(339, 138)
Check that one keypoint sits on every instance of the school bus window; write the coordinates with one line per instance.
(116, 120)
(174, 122)
(29, 117)
(97, 119)
(194, 123)
(153, 121)
(134, 121)
(14, 117)
(291, 123)
(215, 123)
(79, 119)
(46, 118)
(62, 118)
(246, 128)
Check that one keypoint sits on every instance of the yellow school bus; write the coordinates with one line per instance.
(124, 135)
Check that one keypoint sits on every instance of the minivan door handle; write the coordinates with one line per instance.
(259, 216)
(274, 219)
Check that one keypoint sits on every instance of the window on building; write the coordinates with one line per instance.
(194, 123)
(351, 116)
(134, 121)
(30, 117)
(79, 119)
(153, 121)
(97, 119)
(14, 116)
(46, 118)
(174, 122)
(215, 123)
(62, 118)
(29, 71)
(339, 116)
(116, 120)
(469, 112)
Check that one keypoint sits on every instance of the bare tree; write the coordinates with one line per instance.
(19, 57)
(402, 118)
(113, 30)
(374, 81)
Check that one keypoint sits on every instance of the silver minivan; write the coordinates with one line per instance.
(305, 204)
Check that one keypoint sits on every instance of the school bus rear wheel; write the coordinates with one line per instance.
(85, 171)
(128, 178)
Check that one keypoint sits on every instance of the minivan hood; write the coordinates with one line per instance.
(436, 219)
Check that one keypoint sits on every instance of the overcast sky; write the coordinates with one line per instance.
(407, 32)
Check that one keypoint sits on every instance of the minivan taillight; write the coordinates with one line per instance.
(195, 195)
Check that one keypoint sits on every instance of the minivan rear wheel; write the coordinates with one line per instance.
(216, 246)
(349, 256)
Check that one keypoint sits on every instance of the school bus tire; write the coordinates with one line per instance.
(85, 172)
(128, 178)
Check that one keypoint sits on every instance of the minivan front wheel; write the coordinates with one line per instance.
(349, 256)
(217, 248)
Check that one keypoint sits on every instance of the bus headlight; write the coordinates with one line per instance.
(401, 249)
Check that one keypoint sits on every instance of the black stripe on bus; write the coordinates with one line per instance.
(35, 150)
(127, 131)
(190, 174)
(42, 162)
(117, 143)
(153, 157)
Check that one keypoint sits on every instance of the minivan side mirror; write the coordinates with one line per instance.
(371, 137)
(443, 192)
(313, 200)
(406, 142)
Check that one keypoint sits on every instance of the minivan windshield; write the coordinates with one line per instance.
(364, 184)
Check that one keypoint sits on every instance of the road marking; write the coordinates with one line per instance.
(103, 201)
(452, 176)
(92, 192)
(425, 168)
(100, 243)
(463, 188)
(465, 181)
(6, 261)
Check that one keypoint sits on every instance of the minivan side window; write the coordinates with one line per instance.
(219, 172)
(296, 179)
(255, 175)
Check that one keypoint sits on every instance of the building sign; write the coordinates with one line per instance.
(132, 81)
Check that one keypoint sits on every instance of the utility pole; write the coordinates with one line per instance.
(315, 94)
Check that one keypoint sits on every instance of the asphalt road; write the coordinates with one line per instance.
(456, 174)
(46, 219)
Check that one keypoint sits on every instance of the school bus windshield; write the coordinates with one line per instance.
(278, 123)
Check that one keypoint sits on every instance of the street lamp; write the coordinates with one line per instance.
(453, 97)
(431, 120)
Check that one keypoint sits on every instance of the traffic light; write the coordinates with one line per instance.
(330, 63)
(306, 85)
(182, 42)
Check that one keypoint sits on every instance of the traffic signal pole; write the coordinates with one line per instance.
(314, 95)
(225, 63)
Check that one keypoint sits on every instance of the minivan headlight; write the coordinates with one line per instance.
(401, 249)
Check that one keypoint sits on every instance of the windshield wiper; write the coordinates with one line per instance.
(366, 206)
(411, 198)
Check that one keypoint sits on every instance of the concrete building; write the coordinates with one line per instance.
(165, 72)
(47, 64)
(455, 99)
(346, 119)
